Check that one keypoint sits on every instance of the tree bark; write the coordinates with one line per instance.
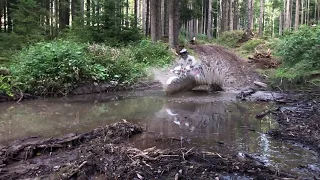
(209, 30)
(155, 20)
(287, 16)
(236, 15)
(302, 12)
(261, 18)
(231, 4)
(281, 23)
(174, 22)
(296, 19)
(148, 18)
(88, 13)
(9, 16)
(250, 16)
(144, 16)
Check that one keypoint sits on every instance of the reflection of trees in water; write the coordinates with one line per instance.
(227, 121)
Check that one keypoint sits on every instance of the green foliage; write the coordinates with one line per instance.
(5, 86)
(251, 44)
(59, 66)
(300, 52)
(151, 53)
(230, 38)
(120, 64)
(53, 67)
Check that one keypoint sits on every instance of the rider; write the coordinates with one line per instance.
(186, 59)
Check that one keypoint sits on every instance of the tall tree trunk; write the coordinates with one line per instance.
(236, 15)
(82, 12)
(250, 16)
(226, 12)
(200, 20)
(209, 30)
(88, 13)
(261, 18)
(287, 16)
(302, 12)
(291, 14)
(1, 11)
(296, 18)
(135, 11)
(64, 13)
(155, 20)
(318, 17)
(174, 22)
(148, 18)
(5, 12)
(231, 5)
(144, 16)
(74, 9)
(9, 16)
(273, 19)
(308, 12)
(281, 23)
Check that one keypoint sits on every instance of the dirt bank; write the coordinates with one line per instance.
(104, 153)
(90, 89)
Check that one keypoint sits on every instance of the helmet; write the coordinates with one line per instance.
(183, 51)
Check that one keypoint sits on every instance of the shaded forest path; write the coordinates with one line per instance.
(237, 72)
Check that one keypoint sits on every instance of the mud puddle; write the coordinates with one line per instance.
(213, 122)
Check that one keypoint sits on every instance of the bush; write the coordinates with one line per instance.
(54, 67)
(151, 53)
(5, 86)
(120, 64)
(230, 38)
(300, 52)
(251, 44)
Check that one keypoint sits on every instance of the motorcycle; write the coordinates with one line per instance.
(184, 78)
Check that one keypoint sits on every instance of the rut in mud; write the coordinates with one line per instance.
(103, 152)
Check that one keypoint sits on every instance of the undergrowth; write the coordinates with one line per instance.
(57, 67)
(300, 54)
(230, 38)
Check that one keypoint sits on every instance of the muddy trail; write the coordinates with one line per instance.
(238, 74)
(103, 153)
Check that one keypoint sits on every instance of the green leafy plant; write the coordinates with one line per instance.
(55, 67)
(230, 38)
(151, 53)
(300, 52)
(251, 44)
(5, 86)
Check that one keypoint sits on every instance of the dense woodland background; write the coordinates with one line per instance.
(122, 20)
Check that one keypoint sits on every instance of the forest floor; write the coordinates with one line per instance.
(104, 153)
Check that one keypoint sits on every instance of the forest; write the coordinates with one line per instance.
(38, 36)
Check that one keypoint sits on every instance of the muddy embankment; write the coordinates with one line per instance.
(90, 89)
(104, 153)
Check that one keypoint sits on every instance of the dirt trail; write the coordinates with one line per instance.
(238, 74)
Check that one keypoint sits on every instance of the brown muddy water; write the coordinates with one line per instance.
(215, 122)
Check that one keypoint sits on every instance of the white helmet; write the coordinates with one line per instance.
(183, 51)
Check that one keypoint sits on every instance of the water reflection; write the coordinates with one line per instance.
(215, 126)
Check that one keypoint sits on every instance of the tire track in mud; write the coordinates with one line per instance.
(238, 74)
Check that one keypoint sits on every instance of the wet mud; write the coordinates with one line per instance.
(105, 153)
(299, 122)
